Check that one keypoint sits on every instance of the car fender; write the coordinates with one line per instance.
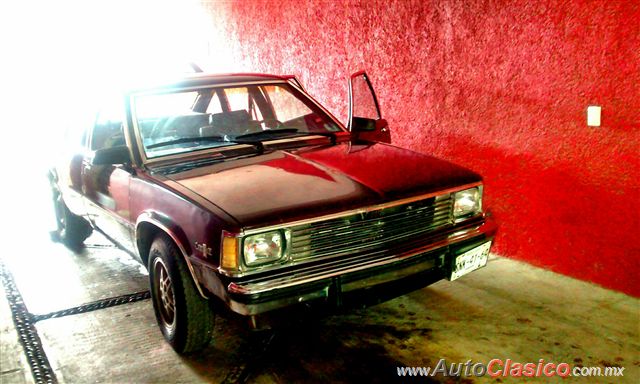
(166, 225)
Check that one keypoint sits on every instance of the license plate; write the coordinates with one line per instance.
(470, 261)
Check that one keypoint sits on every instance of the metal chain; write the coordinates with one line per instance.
(27, 333)
(100, 246)
(24, 322)
(95, 305)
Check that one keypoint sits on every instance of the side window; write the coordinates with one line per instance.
(363, 98)
(237, 98)
(240, 99)
(108, 130)
(77, 129)
(254, 111)
(214, 104)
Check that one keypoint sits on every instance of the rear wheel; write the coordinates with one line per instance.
(184, 317)
(72, 230)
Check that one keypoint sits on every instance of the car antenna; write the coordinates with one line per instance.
(196, 68)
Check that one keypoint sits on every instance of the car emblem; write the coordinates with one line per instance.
(203, 248)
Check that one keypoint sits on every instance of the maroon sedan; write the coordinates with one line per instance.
(242, 190)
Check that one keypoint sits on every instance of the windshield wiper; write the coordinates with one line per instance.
(331, 135)
(267, 132)
(295, 131)
(214, 139)
(210, 139)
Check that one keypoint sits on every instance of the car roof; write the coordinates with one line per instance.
(205, 79)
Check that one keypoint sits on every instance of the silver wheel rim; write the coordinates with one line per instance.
(165, 298)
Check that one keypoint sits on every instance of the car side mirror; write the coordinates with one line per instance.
(112, 156)
(371, 129)
(365, 121)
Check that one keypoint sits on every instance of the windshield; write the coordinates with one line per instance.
(190, 120)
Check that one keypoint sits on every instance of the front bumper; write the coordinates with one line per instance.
(359, 281)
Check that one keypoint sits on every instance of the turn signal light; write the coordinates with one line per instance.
(229, 258)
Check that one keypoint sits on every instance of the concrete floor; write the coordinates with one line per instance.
(506, 310)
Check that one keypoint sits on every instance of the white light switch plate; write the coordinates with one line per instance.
(593, 115)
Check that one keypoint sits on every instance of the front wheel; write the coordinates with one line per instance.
(184, 317)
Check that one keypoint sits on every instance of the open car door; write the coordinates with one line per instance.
(365, 121)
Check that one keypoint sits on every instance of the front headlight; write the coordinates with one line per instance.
(263, 248)
(467, 202)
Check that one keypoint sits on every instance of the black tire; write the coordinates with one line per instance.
(72, 230)
(184, 317)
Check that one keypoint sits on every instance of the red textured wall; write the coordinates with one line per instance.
(501, 87)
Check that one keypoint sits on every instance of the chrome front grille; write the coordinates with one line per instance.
(371, 231)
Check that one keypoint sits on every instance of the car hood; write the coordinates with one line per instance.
(286, 185)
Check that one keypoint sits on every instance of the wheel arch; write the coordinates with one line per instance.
(148, 225)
